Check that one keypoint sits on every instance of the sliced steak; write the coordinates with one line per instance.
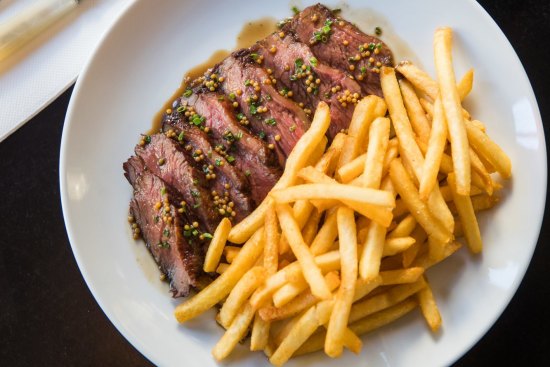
(164, 157)
(133, 168)
(342, 45)
(269, 115)
(178, 252)
(309, 80)
(247, 152)
(230, 189)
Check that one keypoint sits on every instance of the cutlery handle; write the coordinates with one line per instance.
(22, 28)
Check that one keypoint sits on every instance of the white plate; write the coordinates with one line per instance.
(139, 65)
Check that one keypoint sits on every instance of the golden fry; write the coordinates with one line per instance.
(416, 206)
(260, 333)
(401, 276)
(384, 300)
(429, 308)
(379, 135)
(271, 232)
(311, 271)
(337, 326)
(453, 109)
(240, 293)
(416, 113)
(215, 249)
(489, 150)
(219, 288)
(334, 191)
(234, 334)
(436, 146)
(467, 217)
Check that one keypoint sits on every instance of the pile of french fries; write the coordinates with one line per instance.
(341, 244)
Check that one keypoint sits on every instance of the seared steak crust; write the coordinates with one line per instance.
(311, 81)
(178, 252)
(339, 44)
(248, 153)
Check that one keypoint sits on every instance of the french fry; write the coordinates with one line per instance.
(326, 235)
(296, 160)
(302, 210)
(479, 168)
(401, 276)
(429, 308)
(363, 326)
(377, 213)
(311, 271)
(288, 291)
(358, 195)
(366, 110)
(391, 154)
(219, 288)
(453, 110)
(467, 217)
(417, 207)
(436, 146)
(291, 273)
(489, 150)
(215, 249)
(369, 260)
(403, 228)
(424, 82)
(310, 229)
(329, 160)
(425, 261)
(409, 254)
(396, 245)
(408, 146)
(416, 113)
(419, 78)
(348, 253)
(299, 304)
(439, 209)
(271, 232)
(378, 144)
(365, 286)
(259, 337)
(222, 267)
(352, 169)
(300, 332)
(384, 300)
(240, 293)
(383, 317)
(230, 252)
(234, 333)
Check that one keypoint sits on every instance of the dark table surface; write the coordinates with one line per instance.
(48, 316)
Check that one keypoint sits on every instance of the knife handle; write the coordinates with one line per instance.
(19, 30)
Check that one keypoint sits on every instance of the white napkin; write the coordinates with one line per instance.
(45, 68)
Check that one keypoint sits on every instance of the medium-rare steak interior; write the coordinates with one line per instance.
(224, 141)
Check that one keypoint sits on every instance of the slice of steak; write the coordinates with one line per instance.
(342, 45)
(179, 252)
(164, 157)
(269, 115)
(303, 78)
(133, 168)
(248, 153)
(228, 185)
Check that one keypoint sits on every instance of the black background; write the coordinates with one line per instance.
(48, 316)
